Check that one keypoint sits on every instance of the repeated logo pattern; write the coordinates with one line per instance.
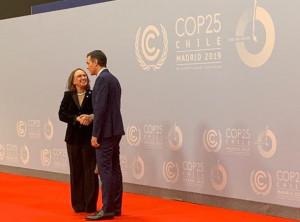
(261, 182)
(218, 177)
(212, 140)
(171, 171)
(133, 135)
(138, 168)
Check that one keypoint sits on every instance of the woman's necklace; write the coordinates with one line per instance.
(81, 94)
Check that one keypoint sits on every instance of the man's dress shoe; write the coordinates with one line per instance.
(101, 215)
(118, 212)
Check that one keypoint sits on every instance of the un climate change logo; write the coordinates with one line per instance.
(171, 172)
(45, 157)
(247, 30)
(153, 44)
(21, 128)
(261, 182)
(133, 135)
(212, 140)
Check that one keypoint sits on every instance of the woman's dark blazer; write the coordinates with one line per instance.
(69, 110)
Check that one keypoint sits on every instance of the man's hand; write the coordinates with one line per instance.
(85, 119)
(94, 142)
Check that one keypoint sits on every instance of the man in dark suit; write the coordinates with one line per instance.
(107, 132)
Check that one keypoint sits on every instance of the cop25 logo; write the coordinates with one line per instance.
(255, 51)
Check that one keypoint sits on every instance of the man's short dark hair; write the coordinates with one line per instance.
(99, 56)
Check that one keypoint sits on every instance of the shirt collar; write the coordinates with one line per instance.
(101, 71)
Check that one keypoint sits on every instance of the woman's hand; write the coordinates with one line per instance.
(85, 119)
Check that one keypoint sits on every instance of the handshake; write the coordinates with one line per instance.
(85, 119)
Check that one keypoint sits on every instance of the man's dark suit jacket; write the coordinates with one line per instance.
(69, 110)
(106, 105)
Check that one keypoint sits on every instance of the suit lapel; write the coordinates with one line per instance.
(88, 94)
(75, 98)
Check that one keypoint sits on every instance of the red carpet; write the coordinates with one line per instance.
(29, 199)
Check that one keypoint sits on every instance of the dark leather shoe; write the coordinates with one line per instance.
(101, 215)
(118, 212)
